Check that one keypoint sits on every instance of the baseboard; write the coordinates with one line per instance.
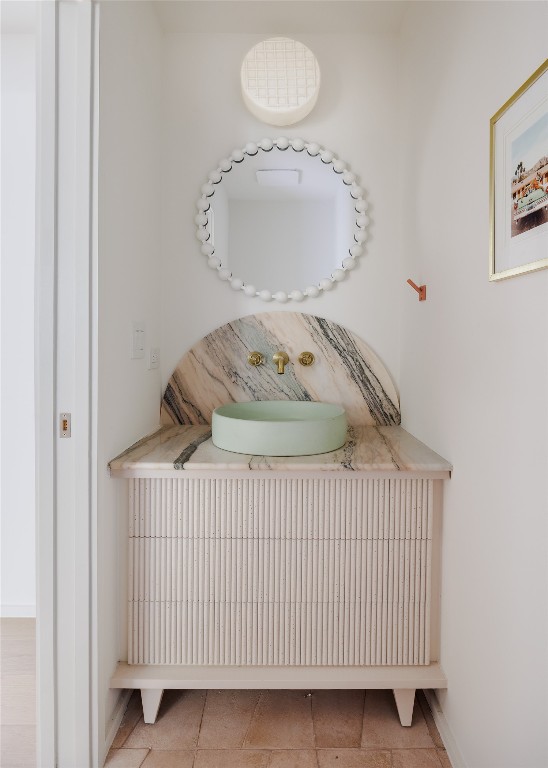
(17, 611)
(115, 721)
(453, 752)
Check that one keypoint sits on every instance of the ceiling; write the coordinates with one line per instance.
(279, 17)
(269, 17)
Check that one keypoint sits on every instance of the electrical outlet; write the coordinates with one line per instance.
(153, 358)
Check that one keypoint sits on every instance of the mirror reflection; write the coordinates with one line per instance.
(282, 223)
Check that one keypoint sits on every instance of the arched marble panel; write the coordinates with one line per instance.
(346, 371)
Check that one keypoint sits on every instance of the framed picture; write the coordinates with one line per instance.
(519, 181)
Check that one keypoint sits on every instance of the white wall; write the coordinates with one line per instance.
(128, 398)
(18, 591)
(410, 114)
(205, 119)
(474, 376)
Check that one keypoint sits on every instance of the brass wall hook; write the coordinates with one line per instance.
(420, 289)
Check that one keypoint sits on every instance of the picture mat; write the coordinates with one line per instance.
(531, 246)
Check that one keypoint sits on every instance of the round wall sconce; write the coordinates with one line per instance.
(280, 81)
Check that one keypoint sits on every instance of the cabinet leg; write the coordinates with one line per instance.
(405, 699)
(151, 698)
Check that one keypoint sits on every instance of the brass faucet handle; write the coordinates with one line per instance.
(255, 358)
(281, 359)
(306, 358)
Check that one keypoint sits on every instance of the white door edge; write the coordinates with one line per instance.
(66, 689)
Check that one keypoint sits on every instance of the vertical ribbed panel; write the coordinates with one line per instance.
(246, 571)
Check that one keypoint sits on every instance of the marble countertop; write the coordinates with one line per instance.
(367, 449)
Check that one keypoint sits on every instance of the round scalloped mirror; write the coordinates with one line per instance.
(282, 219)
(280, 81)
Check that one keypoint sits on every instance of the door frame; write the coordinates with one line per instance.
(65, 374)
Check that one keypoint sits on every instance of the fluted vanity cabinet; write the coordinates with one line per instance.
(309, 572)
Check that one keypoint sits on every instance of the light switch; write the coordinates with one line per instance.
(138, 340)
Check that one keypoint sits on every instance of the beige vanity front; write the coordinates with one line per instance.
(303, 572)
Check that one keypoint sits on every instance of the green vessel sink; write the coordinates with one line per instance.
(279, 427)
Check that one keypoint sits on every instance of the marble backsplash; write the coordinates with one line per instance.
(346, 371)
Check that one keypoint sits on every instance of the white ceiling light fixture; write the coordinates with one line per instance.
(280, 81)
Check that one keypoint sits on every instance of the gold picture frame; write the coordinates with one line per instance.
(518, 183)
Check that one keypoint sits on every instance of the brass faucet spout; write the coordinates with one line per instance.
(281, 359)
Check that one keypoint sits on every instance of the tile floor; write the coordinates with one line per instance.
(229, 729)
(18, 693)
(277, 729)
